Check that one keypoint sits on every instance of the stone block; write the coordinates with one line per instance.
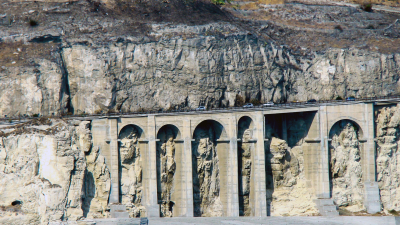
(118, 211)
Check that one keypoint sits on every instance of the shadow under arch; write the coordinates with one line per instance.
(129, 129)
(205, 170)
(336, 138)
(166, 152)
(130, 152)
(245, 154)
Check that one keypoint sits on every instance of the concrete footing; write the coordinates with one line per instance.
(326, 207)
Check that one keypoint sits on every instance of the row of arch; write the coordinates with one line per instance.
(206, 134)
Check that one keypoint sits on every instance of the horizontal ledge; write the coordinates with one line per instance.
(250, 140)
(312, 140)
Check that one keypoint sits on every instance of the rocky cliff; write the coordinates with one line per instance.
(102, 61)
(50, 172)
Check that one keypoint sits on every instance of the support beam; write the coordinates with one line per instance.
(114, 156)
(152, 206)
(323, 188)
(371, 189)
(187, 168)
(233, 178)
(258, 172)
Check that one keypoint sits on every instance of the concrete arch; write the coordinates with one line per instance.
(175, 130)
(218, 128)
(244, 123)
(125, 130)
(338, 122)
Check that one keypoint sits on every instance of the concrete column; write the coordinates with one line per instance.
(233, 178)
(113, 138)
(152, 206)
(323, 188)
(371, 189)
(187, 168)
(258, 174)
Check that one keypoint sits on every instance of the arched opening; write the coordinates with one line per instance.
(166, 168)
(130, 169)
(345, 168)
(245, 160)
(206, 172)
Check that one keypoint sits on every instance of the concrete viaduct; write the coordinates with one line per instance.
(321, 118)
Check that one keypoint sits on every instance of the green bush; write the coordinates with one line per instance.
(338, 98)
(220, 2)
(239, 101)
(255, 102)
(35, 115)
(367, 7)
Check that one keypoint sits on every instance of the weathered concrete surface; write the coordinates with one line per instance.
(348, 220)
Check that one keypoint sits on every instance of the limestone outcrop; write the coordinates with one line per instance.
(287, 191)
(167, 168)
(44, 168)
(387, 133)
(346, 171)
(206, 178)
(245, 160)
(131, 172)
(215, 63)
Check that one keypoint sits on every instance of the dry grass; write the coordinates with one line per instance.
(10, 56)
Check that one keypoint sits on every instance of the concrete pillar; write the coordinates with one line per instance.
(233, 177)
(371, 189)
(323, 188)
(258, 174)
(113, 138)
(187, 168)
(152, 206)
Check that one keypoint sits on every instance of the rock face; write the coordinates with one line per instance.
(388, 156)
(44, 169)
(131, 171)
(287, 192)
(206, 179)
(346, 172)
(166, 170)
(215, 62)
(245, 161)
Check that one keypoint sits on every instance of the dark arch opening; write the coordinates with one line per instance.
(205, 169)
(344, 137)
(166, 167)
(129, 129)
(245, 151)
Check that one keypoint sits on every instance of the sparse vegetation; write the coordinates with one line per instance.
(255, 102)
(239, 101)
(367, 7)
